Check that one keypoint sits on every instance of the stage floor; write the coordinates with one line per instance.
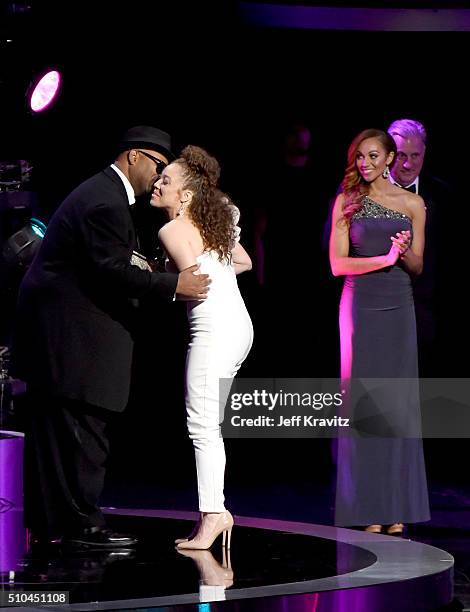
(272, 565)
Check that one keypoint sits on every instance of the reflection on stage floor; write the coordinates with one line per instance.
(272, 565)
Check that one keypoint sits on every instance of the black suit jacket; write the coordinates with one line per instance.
(77, 302)
(437, 196)
(435, 312)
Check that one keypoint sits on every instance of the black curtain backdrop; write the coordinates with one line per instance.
(210, 80)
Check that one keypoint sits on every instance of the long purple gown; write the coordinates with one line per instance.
(380, 480)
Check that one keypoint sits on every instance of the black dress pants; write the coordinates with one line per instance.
(66, 448)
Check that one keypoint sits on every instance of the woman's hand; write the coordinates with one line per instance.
(400, 244)
(392, 256)
(402, 241)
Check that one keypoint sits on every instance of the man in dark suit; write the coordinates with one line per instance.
(410, 138)
(77, 307)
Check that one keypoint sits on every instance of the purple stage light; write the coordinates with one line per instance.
(44, 91)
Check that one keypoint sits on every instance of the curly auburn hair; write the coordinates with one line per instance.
(353, 185)
(211, 210)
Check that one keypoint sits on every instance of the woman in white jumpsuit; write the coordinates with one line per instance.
(202, 230)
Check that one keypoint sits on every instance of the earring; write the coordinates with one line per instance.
(386, 172)
(181, 210)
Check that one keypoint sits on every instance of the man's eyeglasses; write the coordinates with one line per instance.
(160, 164)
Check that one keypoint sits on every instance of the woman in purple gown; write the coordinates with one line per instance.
(377, 243)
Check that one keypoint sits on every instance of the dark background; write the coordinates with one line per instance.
(198, 72)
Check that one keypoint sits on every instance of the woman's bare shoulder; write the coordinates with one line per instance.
(176, 227)
(339, 203)
(415, 204)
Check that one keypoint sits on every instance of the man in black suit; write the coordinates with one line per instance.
(76, 313)
(410, 138)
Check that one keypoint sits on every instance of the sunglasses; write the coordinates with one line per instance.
(160, 164)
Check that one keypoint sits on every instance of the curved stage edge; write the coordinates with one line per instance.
(414, 576)
(273, 565)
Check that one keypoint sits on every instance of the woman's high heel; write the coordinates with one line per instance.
(227, 534)
(373, 529)
(211, 572)
(191, 535)
(209, 529)
(396, 529)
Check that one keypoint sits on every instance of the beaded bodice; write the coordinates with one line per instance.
(370, 228)
(373, 210)
(370, 231)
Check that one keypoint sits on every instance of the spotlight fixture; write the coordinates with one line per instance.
(43, 90)
(23, 245)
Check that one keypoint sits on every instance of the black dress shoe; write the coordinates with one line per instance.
(99, 537)
(37, 539)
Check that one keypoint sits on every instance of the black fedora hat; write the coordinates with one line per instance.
(147, 137)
